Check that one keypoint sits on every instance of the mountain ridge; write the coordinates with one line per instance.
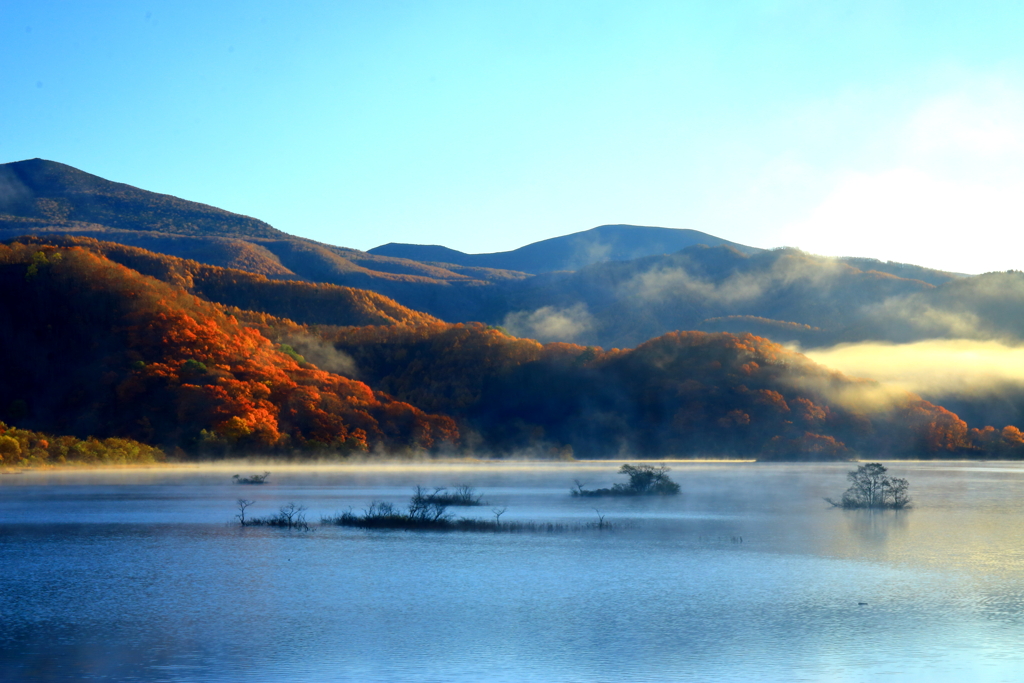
(100, 348)
(613, 242)
(606, 302)
(52, 192)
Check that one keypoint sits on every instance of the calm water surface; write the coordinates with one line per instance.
(747, 576)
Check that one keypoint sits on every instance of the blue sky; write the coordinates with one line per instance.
(885, 129)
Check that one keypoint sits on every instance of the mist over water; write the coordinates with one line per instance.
(748, 575)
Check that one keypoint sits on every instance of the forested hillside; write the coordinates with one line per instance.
(304, 302)
(101, 349)
(98, 349)
(238, 337)
(26, 448)
(684, 393)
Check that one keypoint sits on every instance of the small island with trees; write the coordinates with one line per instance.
(871, 488)
(644, 480)
(254, 479)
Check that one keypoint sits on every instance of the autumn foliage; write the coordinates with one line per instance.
(304, 302)
(684, 393)
(25, 448)
(96, 348)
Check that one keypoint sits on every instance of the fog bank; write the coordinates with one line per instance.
(933, 367)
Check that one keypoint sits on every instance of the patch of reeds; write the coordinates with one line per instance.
(383, 515)
(429, 512)
(426, 512)
(290, 516)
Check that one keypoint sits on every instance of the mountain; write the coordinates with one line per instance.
(685, 281)
(38, 192)
(783, 294)
(568, 252)
(47, 198)
(238, 337)
(96, 348)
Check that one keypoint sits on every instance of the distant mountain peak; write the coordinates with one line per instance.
(570, 252)
(424, 252)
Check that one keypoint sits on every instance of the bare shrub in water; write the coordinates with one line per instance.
(428, 507)
(242, 505)
(290, 516)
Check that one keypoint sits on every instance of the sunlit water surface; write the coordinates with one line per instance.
(746, 576)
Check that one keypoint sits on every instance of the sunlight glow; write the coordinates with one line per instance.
(935, 366)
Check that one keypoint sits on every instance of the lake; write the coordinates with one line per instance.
(748, 575)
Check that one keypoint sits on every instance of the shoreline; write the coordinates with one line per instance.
(363, 463)
(441, 464)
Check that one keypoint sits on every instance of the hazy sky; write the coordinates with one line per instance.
(885, 129)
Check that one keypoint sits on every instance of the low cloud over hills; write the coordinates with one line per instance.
(784, 294)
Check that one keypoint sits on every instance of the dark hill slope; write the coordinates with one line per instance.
(784, 294)
(46, 192)
(904, 270)
(987, 306)
(569, 252)
(47, 198)
(326, 263)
